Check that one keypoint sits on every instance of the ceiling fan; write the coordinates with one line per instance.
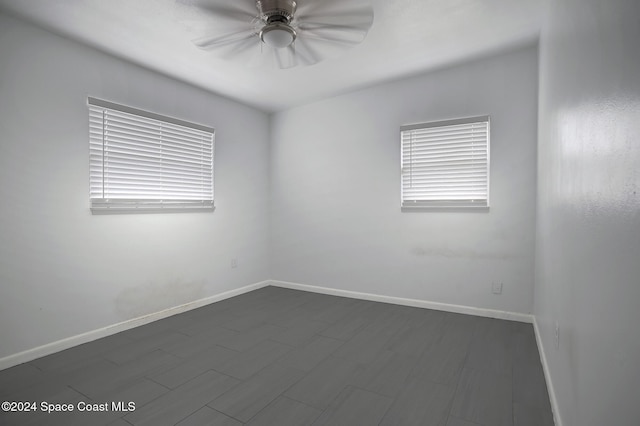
(285, 33)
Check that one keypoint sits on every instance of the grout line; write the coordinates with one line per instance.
(76, 390)
(225, 414)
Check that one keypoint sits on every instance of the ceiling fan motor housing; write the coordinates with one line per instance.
(277, 15)
(272, 11)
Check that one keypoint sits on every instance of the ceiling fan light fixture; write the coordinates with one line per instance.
(285, 35)
(277, 35)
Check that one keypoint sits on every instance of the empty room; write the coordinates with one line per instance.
(320, 212)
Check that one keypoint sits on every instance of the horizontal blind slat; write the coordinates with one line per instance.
(140, 161)
(146, 155)
(445, 163)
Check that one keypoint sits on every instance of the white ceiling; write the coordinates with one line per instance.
(407, 37)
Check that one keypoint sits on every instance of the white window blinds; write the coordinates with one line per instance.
(446, 163)
(146, 162)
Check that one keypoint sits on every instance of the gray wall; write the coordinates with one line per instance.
(335, 195)
(588, 231)
(63, 271)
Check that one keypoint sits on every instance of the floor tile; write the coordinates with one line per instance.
(192, 367)
(300, 333)
(244, 323)
(350, 320)
(252, 395)
(412, 339)
(203, 323)
(454, 421)
(443, 360)
(491, 347)
(421, 403)
(319, 387)
(388, 320)
(71, 358)
(207, 416)
(245, 340)
(19, 377)
(119, 422)
(58, 395)
(354, 406)
(285, 412)
(529, 385)
(104, 382)
(524, 344)
(137, 349)
(387, 374)
(199, 342)
(309, 356)
(525, 415)
(332, 309)
(177, 405)
(484, 397)
(364, 347)
(248, 363)
(140, 392)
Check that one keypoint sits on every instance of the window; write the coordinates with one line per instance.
(446, 164)
(141, 161)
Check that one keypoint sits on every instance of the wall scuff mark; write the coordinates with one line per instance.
(153, 297)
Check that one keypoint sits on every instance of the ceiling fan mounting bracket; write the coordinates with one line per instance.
(272, 11)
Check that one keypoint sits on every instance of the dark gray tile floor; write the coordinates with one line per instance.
(284, 357)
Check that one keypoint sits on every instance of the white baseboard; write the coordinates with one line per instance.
(69, 342)
(547, 375)
(460, 309)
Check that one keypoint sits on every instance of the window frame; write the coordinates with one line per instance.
(144, 204)
(481, 204)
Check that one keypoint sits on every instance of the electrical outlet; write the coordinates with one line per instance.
(234, 262)
(557, 335)
(496, 288)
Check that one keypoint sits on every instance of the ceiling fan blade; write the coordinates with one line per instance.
(306, 54)
(330, 39)
(327, 28)
(320, 6)
(278, 59)
(239, 11)
(358, 16)
(340, 24)
(313, 49)
(244, 51)
(225, 39)
(324, 26)
(283, 58)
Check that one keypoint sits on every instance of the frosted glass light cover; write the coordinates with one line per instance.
(277, 38)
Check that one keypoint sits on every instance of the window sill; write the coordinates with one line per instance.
(445, 209)
(147, 210)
